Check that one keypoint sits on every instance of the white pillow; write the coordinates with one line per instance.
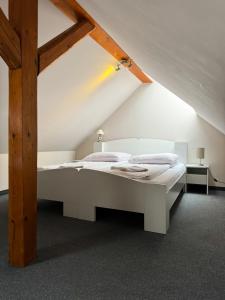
(107, 156)
(161, 158)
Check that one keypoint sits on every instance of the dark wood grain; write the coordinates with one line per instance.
(23, 137)
(9, 43)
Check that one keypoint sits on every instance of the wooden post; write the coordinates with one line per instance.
(23, 137)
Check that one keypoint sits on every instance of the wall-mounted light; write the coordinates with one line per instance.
(100, 134)
(126, 62)
(117, 68)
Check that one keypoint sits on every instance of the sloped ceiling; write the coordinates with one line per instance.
(76, 94)
(179, 43)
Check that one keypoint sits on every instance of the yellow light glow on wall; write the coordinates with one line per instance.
(92, 85)
(106, 73)
(89, 87)
(101, 78)
(81, 94)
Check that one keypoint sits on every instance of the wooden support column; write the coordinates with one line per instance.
(23, 137)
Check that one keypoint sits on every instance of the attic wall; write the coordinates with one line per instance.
(154, 112)
(179, 43)
(44, 159)
(75, 94)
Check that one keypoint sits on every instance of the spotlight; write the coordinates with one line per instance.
(126, 62)
(117, 67)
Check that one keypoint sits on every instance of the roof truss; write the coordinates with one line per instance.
(75, 12)
(60, 44)
(9, 43)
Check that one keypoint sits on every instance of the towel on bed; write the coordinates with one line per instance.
(129, 168)
(139, 172)
(132, 172)
(56, 167)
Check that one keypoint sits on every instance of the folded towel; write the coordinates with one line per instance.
(129, 168)
(132, 171)
(72, 165)
(76, 167)
(133, 175)
(56, 167)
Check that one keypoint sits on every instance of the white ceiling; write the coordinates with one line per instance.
(76, 94)
(180, 43)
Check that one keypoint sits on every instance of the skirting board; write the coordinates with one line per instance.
(44, 158)
(218, 188)
(202, 188)
(5, 192)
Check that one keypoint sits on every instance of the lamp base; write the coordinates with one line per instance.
(200, 163)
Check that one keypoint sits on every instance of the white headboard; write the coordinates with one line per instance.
(143, 146)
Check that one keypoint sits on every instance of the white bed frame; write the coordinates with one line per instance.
(81, 192)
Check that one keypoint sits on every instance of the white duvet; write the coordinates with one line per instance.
(156, 174)
(124, 169)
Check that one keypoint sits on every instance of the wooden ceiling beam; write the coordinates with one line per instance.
(9, 43)
(75, 12)
(49, 52)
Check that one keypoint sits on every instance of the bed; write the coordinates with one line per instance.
(83, 189)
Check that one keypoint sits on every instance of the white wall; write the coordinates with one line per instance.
(152, 111)
(44, 158)
(178, 43)
(3, 172)
(76, 93)
(81, 84)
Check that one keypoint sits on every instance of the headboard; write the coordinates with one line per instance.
(143, 146)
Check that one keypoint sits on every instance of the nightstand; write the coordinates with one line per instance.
(198, 175)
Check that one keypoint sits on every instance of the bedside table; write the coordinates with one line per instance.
(197, 174)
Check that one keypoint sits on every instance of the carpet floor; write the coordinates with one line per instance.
(114, 258)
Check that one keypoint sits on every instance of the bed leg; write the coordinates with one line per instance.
(156, 216)
(79, 211)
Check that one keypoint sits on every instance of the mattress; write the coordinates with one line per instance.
(99, 166)
(153, 170)
(170, 177)
(159, 174)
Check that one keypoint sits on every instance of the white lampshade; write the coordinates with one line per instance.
(100, 132)
(200, 153)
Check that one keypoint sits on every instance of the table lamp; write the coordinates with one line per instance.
(200, 153)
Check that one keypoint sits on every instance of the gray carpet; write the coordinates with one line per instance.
(115, 259)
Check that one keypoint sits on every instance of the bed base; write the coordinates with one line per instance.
(81, 192)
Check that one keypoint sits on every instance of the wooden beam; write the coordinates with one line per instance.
(23, 137)
(63, 42)
(75, 12)
(9, 43)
